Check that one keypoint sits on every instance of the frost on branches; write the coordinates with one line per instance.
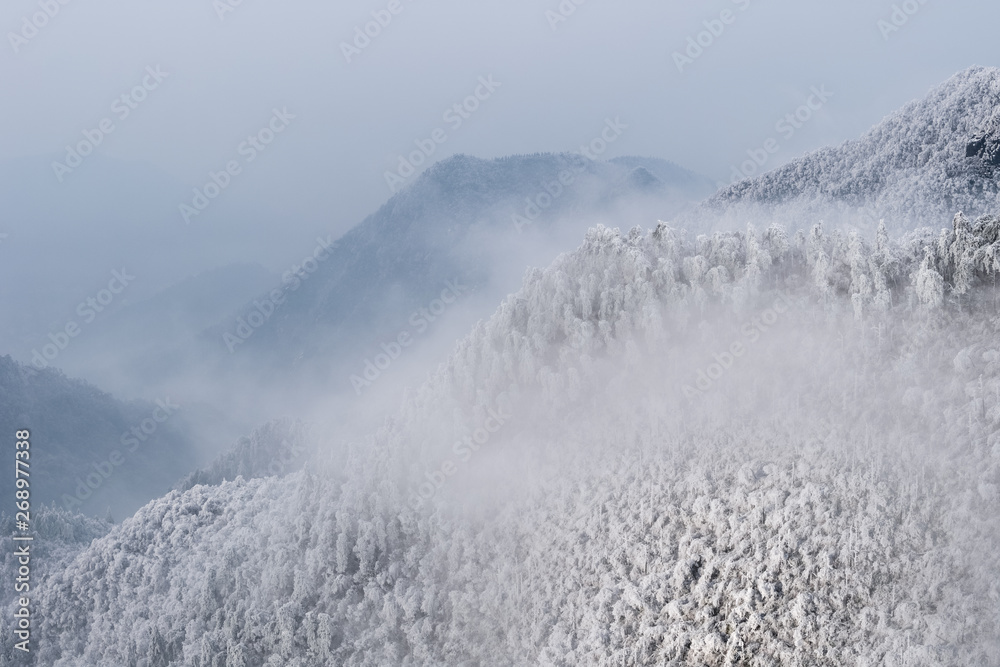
(916, 167)
(830, 497)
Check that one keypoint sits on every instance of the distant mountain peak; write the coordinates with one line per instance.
(459, 208)
(932, 157)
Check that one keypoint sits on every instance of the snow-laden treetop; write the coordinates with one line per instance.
(920, 164)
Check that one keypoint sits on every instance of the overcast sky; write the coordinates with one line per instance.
(226, 71)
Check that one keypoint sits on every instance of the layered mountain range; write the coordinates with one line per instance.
(774, 444)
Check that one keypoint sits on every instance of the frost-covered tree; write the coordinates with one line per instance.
(822, 500)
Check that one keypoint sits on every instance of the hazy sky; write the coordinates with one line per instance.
(226, 71)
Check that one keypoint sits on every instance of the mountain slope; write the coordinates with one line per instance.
(128, 338)
(670, 174)
(134, 205)
(919, 165)
(742, 449)
(76, 431)
(405, 252)
(466, 225)
(276, 448)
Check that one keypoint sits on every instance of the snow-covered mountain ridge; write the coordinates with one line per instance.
(465, 220)
(830, 498)
(934, 156)
(425, 235)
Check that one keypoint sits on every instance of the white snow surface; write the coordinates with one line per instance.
(829, 498)
(910, 170)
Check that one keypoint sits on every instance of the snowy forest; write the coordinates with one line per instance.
(746, 448)
(500, 334)
(933, 157)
